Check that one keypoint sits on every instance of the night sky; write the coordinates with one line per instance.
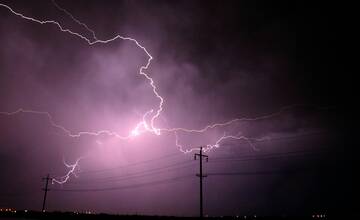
(213, 61)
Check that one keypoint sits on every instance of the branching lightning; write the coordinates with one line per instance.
(147, 123)
(75, 19)
(72, 171)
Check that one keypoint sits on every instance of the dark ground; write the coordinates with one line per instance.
(73, 215)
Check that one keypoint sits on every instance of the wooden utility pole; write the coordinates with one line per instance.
(46, 189)
(201, 176)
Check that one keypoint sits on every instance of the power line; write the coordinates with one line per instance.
(152, 183)
(134, 175)
(130, 165)
(281, 138)
(180, 165)
(18, 193)
(303, 169)
(177, 154)
(268, 156)
(159, 170)
(244, 173)
(144, 172)
(180, 154)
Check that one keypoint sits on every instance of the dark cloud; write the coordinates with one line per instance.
(213, 61)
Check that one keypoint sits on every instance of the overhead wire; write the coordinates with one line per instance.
(146, 184)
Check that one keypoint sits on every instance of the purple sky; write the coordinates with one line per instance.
(213, 62)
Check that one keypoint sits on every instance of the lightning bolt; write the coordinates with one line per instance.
(225, 137)
(147, 123)
(75, 19)
(209, 147)
(142, 126)
(72, 169)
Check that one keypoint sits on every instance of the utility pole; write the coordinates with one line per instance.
(46, 189)
(201, 176)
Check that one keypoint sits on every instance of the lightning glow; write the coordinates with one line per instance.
(151, 128)
(72, 171)
(147, 123)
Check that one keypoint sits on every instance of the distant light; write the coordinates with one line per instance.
(25, 210)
